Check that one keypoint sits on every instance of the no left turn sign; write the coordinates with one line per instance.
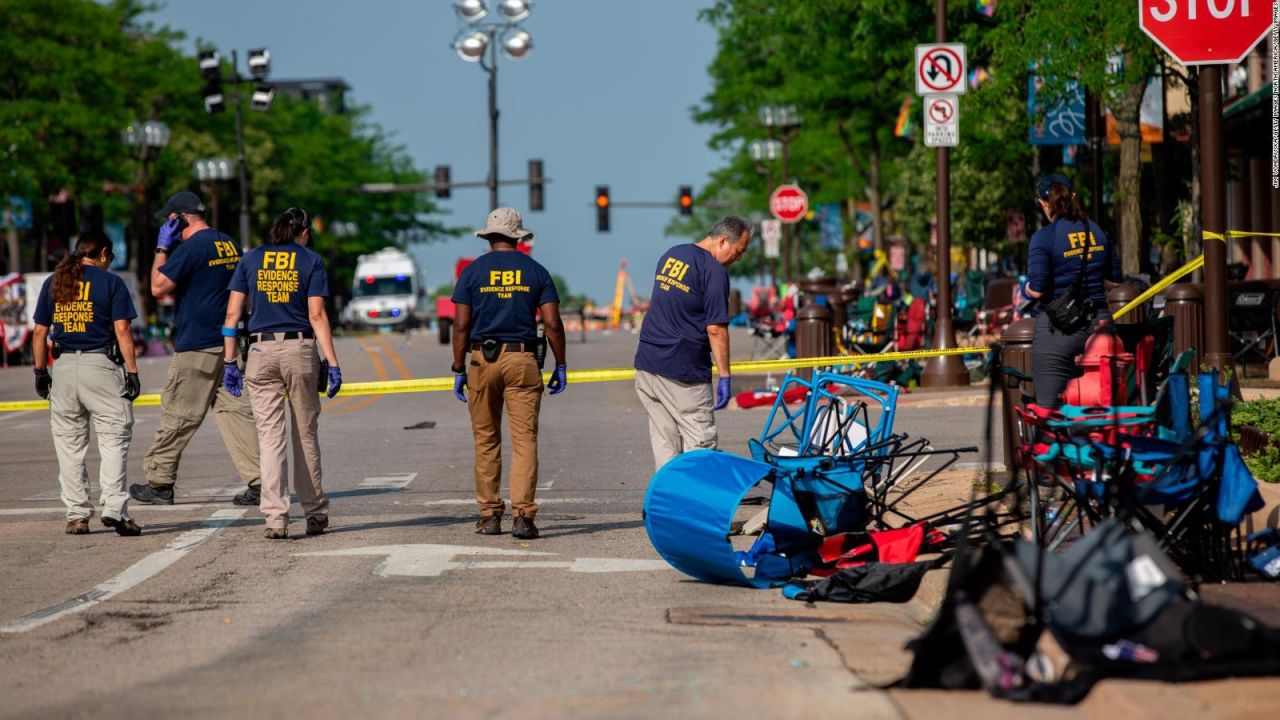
(940, 68)
(941, 120)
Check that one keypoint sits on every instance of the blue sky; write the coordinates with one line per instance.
(603, 99)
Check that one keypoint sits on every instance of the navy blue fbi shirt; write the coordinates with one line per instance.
(1056, 253)
(200, 266)
(504, 289)
(87, 322)
(279, 280)
(690, 292)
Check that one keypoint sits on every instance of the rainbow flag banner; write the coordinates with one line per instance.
(987, 7)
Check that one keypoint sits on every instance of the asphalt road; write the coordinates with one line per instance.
(401, 610)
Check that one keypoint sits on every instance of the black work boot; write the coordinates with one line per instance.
(123, 526)
(251, 495)
(489, 525)
(522, 528)
(150, 495)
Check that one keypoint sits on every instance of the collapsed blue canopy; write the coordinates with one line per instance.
(690, 507)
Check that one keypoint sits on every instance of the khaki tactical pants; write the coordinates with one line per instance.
(513, 381)
(87, 386)
(680, 417)
(284, 373)
(194, 385)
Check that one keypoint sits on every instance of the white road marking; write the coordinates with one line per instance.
(226, 490)
(388, 482)
(141, 571)
(546, 485)
(433, 560)
(547, 501)
(57, 494)
(13, 415)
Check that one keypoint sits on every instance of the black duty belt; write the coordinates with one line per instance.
(291, 335)
(96, 351)
(508, 347)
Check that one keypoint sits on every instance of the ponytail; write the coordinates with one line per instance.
(1063, 204)
(289, 225)
(70, 270)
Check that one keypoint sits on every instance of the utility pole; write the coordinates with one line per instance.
(947, 370)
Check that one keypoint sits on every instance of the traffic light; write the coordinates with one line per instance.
(442, 181)
(602, 208)
(686, 200)
(535, 185)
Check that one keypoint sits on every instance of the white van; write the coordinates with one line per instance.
(384, 291)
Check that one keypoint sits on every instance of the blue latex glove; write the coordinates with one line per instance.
(232, 380)
(558, 380)
(170, 234)
(722, 394)
(460, 384)
(335, 380)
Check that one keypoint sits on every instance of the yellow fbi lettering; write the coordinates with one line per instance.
(75, 315)
(278, 278)
(228, 253)
(1079, 241)
(505, 282)
(672, 275)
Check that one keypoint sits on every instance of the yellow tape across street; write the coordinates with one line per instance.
(747, 367)
(581, 376)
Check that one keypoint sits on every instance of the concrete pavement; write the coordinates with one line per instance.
(401, 610)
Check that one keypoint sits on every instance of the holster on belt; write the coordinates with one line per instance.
(114, 354)
(55, 350)
(242, 341)
(540, 348)
(490, 348)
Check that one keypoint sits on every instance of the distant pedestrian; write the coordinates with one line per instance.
(193, 264)
(89, 311)
(1058, 253)
(286, 285)
(495, 333)
(685, 330)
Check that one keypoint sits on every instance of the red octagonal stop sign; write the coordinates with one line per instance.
(789, 203)
(1202, 32)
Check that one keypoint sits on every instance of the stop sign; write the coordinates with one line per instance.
(789, 203)
(1201, 32)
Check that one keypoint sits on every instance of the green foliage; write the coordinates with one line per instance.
(76, 72)
(1264, 415)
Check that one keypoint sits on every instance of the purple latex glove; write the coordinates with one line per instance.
(558, 380)
(459, 384)
(722, 394)
(335, 380)
(232, 380)
(170, 234)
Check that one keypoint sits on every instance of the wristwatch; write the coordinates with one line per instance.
(457, 370)
(162, 251)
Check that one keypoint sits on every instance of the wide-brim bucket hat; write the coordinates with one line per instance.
(505, 222)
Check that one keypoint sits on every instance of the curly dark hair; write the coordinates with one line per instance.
(70, 271)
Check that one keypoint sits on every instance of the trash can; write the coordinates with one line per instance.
(1184, 302)
(1016, 339)
(1122, 295)
(813, 335)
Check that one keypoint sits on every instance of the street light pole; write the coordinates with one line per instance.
(244, 166)
(492, 69)
(947, 370)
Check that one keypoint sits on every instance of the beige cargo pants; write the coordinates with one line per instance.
(87, 387)
(194, 385)
(283, 374)
(512, 381)
(680, 417)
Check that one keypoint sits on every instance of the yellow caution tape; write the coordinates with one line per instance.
(1190, 267)
(577, 377)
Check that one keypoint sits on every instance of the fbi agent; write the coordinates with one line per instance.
(89, 309)
(495, 336)
(686, 328)
(1070, 244)
(286, 285)
(193, 264)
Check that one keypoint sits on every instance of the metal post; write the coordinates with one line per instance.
(1217, 352)
(245, 239)
(787, 242)
(1093, 117)
(948, 370)
(493, 121)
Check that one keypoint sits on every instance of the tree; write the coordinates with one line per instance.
(1077, 41)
